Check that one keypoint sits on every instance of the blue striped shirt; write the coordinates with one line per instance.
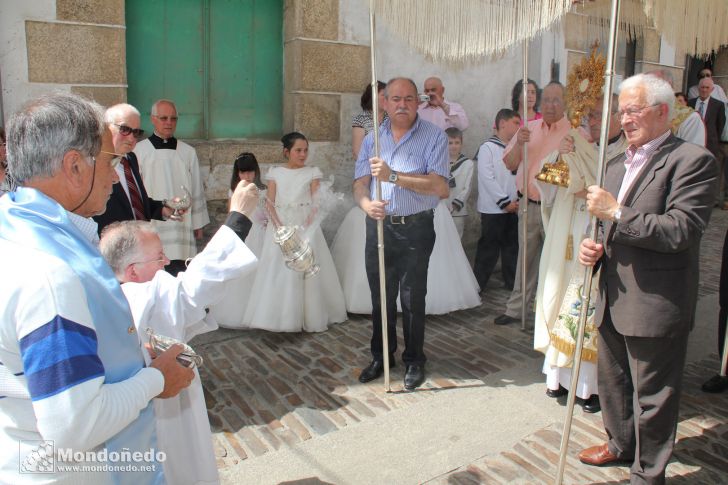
(422, 150)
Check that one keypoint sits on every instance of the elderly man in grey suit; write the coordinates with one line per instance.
(654, 208)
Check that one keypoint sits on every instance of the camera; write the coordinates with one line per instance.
(424, 98)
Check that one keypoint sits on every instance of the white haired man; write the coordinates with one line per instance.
(129, 200)
(654, 207)
(167, 164)
(72, 374)
(177, 308)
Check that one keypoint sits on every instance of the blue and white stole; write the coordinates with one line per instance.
(30, 218)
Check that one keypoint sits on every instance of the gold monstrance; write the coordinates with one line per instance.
(583, 89)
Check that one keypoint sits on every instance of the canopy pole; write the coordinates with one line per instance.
(589, 270)
(380, 222)
(524, 200)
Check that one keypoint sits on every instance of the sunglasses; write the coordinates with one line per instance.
(128, 130)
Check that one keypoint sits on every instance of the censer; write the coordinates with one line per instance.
(297, 253)
(188, 357)
(557, 173)
(583, 87)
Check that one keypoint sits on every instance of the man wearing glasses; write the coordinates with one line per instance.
(543, 137)
(654, 208)
(72, 375)
(177, 308)
(167, 165)
(129, 200)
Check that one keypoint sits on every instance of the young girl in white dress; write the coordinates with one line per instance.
(282, 300)
(230, 310)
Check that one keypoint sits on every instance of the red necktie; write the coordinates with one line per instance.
(136, 199)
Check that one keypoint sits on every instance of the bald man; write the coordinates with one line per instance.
(440, 112)
(713, 113)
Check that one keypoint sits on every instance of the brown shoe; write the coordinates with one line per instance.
(599, 456)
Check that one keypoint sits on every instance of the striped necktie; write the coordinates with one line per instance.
(134, 196)
(701, 109)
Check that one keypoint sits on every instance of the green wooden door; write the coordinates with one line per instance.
(220, 61)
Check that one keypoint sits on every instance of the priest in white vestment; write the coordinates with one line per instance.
(176, 307)
(167, 165)
(566, 222)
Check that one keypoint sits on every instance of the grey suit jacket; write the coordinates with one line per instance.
(649, 271)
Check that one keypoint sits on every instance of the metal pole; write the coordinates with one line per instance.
(724, 360)
(380, 223)
(589, 270)
(524, 209)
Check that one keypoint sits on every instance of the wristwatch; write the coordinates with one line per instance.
(393, 177)
(617, 214)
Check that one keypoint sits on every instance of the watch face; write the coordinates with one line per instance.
(393, 177)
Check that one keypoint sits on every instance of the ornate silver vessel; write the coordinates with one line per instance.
(296, 251)
(160, 343)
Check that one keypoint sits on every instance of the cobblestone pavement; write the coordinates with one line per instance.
(266, 391)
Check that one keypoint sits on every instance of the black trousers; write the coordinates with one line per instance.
(407, 249)
(498, 237)
(723, 298)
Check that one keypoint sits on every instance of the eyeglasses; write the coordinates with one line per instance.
(161, 260)
(128, 130)
(406, 99)
(703, 76)
(553, 101)
(632, 112)
(167, 118)
(114, 161)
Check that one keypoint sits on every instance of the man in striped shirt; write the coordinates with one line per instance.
(413, 168)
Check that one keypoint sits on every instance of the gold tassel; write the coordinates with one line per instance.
(570, 248)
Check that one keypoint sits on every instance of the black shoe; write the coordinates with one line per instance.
(561, 391)
(414, 377)
(504, 320)
(591, 405)
(715, 384)
(374, 370)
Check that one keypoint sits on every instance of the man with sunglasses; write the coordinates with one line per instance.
(129, 200)
(168, 164)
(718, 92)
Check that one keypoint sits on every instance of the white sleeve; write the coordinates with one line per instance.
(71, 401)
(487, 184)
(463, 191)
(316, 173)
(177, 307)
(692, 130)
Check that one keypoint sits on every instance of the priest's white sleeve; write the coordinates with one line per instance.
(692, 130)
(176, 307)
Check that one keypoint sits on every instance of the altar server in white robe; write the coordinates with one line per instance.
(176, 307)
(168, 164)
(560, 275)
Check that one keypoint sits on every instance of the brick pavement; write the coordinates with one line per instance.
(268, 390)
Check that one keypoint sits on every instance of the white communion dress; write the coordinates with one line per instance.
(281, 299)
(451, 284)
(230, 310)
